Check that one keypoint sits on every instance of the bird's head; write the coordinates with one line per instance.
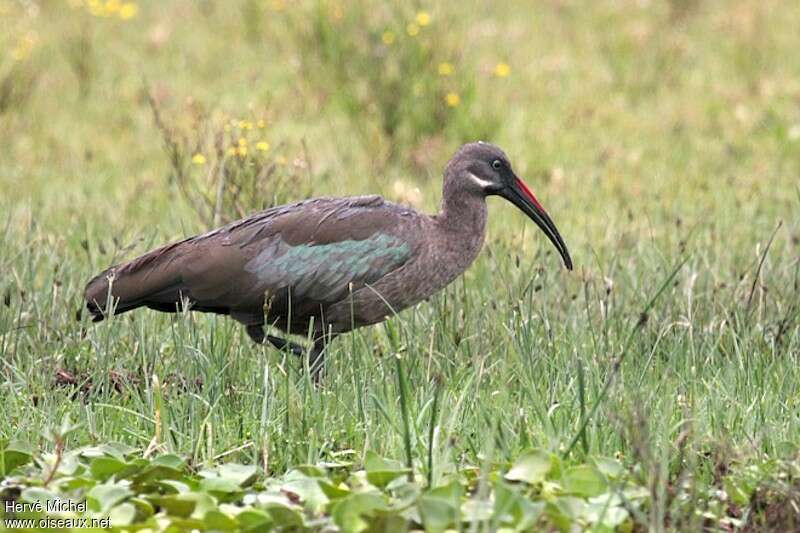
(484, 169)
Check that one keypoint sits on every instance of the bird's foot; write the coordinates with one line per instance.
(256, 333)
(282, 344)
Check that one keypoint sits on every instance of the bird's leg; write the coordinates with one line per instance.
(280, 344)
(316, 359)
(256, 332)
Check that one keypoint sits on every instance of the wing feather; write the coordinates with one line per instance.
(321, 249)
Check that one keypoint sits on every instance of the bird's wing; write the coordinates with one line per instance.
(322, 250)
(312, 253)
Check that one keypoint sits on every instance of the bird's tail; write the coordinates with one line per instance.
(152, 280)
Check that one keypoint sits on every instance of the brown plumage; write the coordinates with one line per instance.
(335, 263)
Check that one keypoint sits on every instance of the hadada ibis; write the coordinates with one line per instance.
(325, 265)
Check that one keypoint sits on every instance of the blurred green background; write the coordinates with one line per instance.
(631, 114)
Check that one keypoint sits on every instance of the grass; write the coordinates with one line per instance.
(657, 134)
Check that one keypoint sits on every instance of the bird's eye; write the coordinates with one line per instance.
(496, 164)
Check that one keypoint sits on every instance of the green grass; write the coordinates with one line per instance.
(657, 134)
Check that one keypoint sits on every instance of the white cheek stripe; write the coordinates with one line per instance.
(483, 184)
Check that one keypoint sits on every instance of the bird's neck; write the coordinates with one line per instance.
(462, 222)
(463, 211)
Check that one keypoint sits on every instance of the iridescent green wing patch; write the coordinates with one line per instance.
(323, 272)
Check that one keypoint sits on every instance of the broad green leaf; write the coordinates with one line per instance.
(66, 484)
(404, 495)
(143, 507)
(203, 503)
(225, 490)
(583, 480)
(606, 510)
(609, 467)
(173, 486)
(254, 520)
(309, 492)
(565, 512)
(37, 494)
(157, 472)
(13, 455)
(243, 475)
(219, 521)
(380, 471)
(101, 498)
(373, 461)
(219, 486)
(437, 514)
(531, 467)
(123, 514)
(440, 507)
(185, 505)
(283, 515)
(174, 504)
(104, 467)
(349, 513)
(452, 491)
(177, 524)
(531, 511)
(506, 504)
(132, 468)
(170, 460)
(333, 492)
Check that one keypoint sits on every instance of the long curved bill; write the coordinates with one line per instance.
(521, 196)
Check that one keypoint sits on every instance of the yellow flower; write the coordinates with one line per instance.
(262, 145)
(502, 70)
(446, 69)
(423, 18)
(199, 159)
(112, 6)
(231, 151)
(241, 151)
(412, 29)
(452, 99)
(242, 141)
(128, 11)
(387, 37)
(96, 8)
(261, 123)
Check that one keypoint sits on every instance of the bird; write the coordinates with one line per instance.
(325, 266)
